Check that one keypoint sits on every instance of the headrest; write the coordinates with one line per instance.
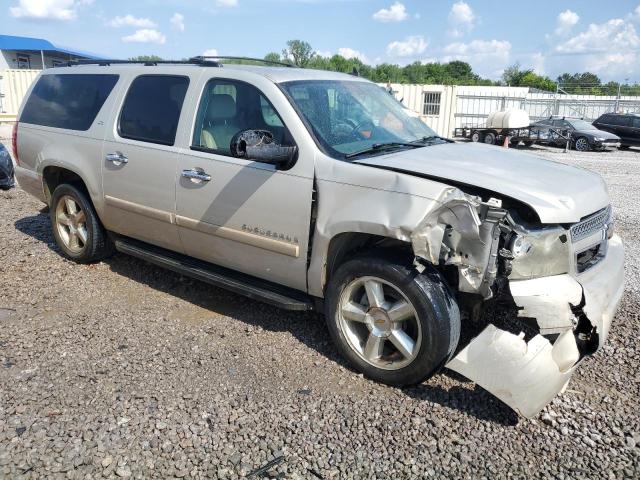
(221, 107)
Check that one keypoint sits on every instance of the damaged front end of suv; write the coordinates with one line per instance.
(537, 298)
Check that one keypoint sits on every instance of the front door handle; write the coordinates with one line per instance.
(116, 158)
(196, 175)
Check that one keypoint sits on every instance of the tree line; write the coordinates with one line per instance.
(302, 54)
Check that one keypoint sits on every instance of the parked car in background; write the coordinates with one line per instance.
(581, 134)
(624, 125)
(6, 169)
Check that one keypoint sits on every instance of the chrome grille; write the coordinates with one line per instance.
(591, 225)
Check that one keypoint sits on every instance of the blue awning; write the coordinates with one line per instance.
(10, 42)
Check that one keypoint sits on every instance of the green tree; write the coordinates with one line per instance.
(299, 51)
(516, 77)
(146, 58)
(273, 57)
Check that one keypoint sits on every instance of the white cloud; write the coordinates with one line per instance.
(411, 46)
(177, 22)
(226, 3)
(538, 62)
(146, 35)
(609, 49)
(47, 9)
(566, 21)
(616, 35)
(131, 21)
(211, 52)
(487, 57)
(461, 19)
(351, 53)
(395, 13)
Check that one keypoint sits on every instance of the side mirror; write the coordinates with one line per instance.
(258, 145)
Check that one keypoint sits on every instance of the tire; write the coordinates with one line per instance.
(476, 137)
(581, 144)
(490, 138)
(528, 143)
(433, 324)
(514, 143)
(623, 147)
(79, 234)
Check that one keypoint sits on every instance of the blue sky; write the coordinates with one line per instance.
(550, 36)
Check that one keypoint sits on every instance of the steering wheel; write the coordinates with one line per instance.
(351, 128)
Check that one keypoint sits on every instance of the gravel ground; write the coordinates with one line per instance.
(122, 369)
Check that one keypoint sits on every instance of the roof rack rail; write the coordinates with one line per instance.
(261, 60)
(148, 63)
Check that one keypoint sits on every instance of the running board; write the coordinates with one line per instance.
(252, 287)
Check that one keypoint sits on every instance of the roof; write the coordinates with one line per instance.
(10, 42)
(274, 74)
(287, 74)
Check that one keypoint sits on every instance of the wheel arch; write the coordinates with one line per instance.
(346, 245)
(54, 175)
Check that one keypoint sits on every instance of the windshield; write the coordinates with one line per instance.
(581, 125)
(352, 117)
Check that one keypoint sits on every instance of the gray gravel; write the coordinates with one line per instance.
(124, 370)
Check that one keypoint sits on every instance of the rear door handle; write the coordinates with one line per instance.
(116, 158)
(196, 175)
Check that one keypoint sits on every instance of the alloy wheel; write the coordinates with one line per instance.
(71, 224)
(379, 322)
(582, 145)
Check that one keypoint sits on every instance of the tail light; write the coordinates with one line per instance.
(14, 142)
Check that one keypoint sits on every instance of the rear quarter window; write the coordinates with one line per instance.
(70, 101)
(151, 110)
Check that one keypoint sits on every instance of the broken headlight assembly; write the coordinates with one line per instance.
(537, 253)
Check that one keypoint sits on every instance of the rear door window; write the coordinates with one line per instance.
(151, 110)
(70, 101)
(620, 120)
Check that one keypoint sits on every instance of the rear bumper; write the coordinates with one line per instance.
(30, 182)
(527, 375)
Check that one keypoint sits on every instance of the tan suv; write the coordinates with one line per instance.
(316, 190)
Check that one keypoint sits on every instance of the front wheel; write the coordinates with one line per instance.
(582, 144)
(393, 324)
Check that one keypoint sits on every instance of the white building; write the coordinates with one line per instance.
(21, 59)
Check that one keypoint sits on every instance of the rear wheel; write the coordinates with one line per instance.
(476, 137)
(76, 227)
(514, 143)
(390, 322)
(490, 138)
(528, 143)
(582, 144)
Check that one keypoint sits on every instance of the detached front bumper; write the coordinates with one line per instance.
(527, 375)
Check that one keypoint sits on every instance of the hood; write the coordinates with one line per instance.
(595, 132)
(557, 192)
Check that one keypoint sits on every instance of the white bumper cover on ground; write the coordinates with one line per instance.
(527, 375)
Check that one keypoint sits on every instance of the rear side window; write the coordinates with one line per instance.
(619, 120)
(152, 108)
(69, 101)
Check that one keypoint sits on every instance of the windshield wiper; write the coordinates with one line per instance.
(377, 147)
(428, 139)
